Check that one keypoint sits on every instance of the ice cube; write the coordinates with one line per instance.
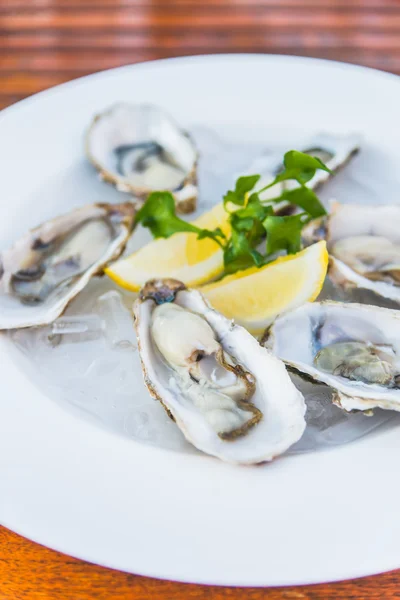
(106, 385)
(73, 328)
(327, 424)
(77, 324)
(118, 321)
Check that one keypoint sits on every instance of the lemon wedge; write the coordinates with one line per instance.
(182, 256)
(254, 297)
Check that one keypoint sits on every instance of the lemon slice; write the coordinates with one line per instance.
(182, 256)
(254, 297)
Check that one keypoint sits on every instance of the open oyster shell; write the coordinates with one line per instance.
(364, 246)
(353, 348)
(52, 263)
(334, 150)
(230, 397)
(140, 149)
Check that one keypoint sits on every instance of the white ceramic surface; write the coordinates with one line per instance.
(88, 492)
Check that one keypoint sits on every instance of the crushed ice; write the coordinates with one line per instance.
(87, 359)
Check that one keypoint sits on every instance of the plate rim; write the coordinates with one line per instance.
(354, 572)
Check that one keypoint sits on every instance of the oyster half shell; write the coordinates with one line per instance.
(364, 246)
(230, 397)
(353, 348)
(51, 264)
(140, 149)
(334, 150)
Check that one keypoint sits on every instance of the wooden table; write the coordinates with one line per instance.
(46, 42)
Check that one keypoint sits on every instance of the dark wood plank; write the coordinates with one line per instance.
(195, 18)
(130, 44)
(46, 42)
(209, 4)
(37, 72)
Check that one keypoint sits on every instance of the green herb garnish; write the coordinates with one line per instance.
(158, 215)
(251, 219)
(242, 187)
(239, 253)
(284, 233)
(298, 166)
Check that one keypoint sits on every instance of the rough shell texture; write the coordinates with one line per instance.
(124, 127)
(280, 402)
(297, 337)
(118, 222)
(334, 150)
(353, 220)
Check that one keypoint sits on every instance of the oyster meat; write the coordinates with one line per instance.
(230, 397)
(140, 149)
(353, 348)
(364, 246)
(51, 264)
(334, 150)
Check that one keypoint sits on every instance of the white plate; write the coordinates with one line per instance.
(81, 489)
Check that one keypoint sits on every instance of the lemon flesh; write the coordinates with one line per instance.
(255, 297)
(182, 256)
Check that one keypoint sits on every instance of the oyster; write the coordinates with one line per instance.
(334, 150)
(51, 264)
(353, 348)
(364, 246)
(230, 397)
(140, 149)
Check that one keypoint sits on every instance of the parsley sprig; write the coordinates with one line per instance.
(251, 218)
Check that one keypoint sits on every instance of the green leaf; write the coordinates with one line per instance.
(230, 196)
(246, 183)
(253, 209)
(249, 218)
(298, 166)
(239, 254)
(241, 224)
(158, 215)
(300, 160)
(246, 232)
(301, 177)
(284, 233)
(243, 186)
(304, 164)
(306, 199)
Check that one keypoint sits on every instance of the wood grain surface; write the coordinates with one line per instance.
(31, 572)
(46, 42)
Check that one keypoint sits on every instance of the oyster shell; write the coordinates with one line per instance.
(353, 348)
(140, 149)
(230, 397)
(334, 150)
(364, 246)
(52, 263)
